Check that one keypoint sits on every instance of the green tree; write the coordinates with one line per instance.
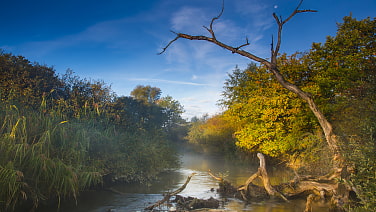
(269, 119)
(345, 64)
(146, 94)
(160, 113)
(135, 114)
(344, 67)
(83, 97)
(26, 82)
(213, 134)
(172, 109)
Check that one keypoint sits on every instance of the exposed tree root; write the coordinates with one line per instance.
(325, 188)
(308, 207)
(263, 174)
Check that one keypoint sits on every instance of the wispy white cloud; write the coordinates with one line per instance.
(256, 19)
(167, 81)
(201, 102)
(209, 63)
(257, 12)
(177, 53)
(250, 7)
(189, 19)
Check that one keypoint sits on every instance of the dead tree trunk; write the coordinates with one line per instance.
(331, 138)
(326, 126)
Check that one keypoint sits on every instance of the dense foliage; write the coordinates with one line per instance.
(270, 119)
(214, 134)
(60, 135)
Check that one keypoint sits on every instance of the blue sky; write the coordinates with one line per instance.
(117, 41)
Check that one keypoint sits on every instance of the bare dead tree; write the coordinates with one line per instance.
(331, 139)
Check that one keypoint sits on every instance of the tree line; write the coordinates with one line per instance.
(61, 134)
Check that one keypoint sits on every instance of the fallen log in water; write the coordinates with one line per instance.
(191, 203)
(169, 195)
(186, 203)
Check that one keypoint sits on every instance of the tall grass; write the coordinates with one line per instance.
(41, 157)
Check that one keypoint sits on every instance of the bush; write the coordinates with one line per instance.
(361, 153)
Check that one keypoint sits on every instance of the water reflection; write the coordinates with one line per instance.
(135, 197)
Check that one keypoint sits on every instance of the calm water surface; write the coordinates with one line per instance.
(135, 197)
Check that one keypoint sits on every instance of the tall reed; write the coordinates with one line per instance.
(41, 157)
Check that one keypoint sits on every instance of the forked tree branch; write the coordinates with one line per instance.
(271, 65)
(213, 39)
(210, 30)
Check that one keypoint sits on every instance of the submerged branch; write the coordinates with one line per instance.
(167, 197)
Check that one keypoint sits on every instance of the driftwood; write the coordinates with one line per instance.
(309, 187)
(169, 195)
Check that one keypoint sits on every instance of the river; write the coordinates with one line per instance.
(135, 197)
